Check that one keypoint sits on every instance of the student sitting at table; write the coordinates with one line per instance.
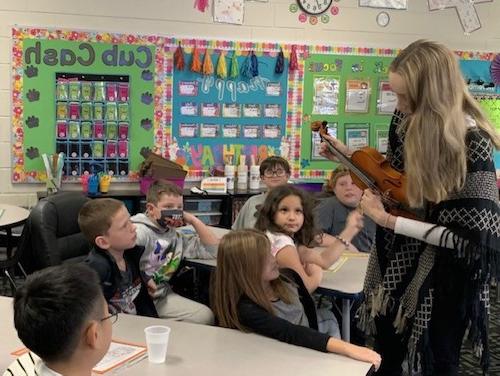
(60, 314)
(287, 219)
(165, 248)
(249, 294)
(332, 212)
(105, 222)
(274, 171)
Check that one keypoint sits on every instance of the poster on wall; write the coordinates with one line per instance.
(237, 116)
(355, 137)
(326, 96)
(387, 99)
(87, 95)
(357, 96)
(389, 4)
(229, 11)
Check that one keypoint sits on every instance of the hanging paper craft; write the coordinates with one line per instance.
(208, 67)
(293, 60)
(466, 11)
(326, 96)
(254, 65)
(391, 4)
(246, 68)
(495, 70)
(229, 11)
(387, 99)
(280, 63)
(235, 70)
(357, 96)
(179, 58)
(196, 62)
(201, 5)
(221, 66)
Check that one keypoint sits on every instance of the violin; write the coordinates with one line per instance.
(369, 169)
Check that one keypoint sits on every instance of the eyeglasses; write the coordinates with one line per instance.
(113, 316)
(271, 173)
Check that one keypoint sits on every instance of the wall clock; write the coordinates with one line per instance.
(314, 7)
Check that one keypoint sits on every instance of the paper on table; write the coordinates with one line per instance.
(118, 354)
(338, 264)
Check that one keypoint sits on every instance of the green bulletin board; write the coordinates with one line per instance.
(345, 68)
(43, 59)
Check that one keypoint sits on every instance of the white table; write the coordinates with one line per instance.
(11, 217)
(205, 350)
(345, 283)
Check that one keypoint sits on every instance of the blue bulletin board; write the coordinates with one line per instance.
(214, 117)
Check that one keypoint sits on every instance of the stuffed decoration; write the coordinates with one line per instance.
(280, 63)
(208, 67)
(179, 58)
(235, 70)
(196, 62)
(293, 59)
(221, 66)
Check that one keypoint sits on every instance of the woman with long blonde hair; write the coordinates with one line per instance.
(428, 279)
(250, 294)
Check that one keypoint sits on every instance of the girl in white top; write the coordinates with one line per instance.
(287, 219)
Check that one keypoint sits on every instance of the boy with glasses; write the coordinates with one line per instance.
(274, 171)
(60, 314)
(165, 248)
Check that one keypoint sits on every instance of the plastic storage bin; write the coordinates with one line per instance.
(211, 219)
(203, 205)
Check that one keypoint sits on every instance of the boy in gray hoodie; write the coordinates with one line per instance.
(165, 248)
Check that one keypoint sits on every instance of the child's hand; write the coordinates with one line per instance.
(354, 222)
(152, 287)
(364, 354)
(189, 218)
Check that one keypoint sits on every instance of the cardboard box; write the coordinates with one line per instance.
(156, 168)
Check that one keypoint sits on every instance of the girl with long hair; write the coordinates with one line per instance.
(428, 280)
(250, 294)
(287, 219)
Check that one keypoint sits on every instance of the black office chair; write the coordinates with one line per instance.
(51, 235)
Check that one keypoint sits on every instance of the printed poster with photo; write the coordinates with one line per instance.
(357, 96)
(326, 96)
(357, 138)
(316, 141)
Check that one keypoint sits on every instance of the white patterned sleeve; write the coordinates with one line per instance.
(428, 232)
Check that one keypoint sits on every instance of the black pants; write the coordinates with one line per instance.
(446, 331)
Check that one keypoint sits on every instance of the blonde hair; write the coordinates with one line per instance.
(240, 262)
(438, 100)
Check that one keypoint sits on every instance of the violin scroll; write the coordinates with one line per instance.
(320, 126)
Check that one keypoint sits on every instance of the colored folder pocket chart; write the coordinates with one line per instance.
(92, 125)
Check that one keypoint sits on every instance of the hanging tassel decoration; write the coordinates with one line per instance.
(196, 62)
(235, 70)
(179, 58)
(246, 67)
(201, 5)
(221, 66)
(293, 59)
(208, 67)
(254, 65)
(280, 63)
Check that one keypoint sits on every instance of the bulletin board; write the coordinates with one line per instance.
(210, 113)
(155, 116)
(352, 94)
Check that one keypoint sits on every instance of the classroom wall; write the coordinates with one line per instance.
(268, 21)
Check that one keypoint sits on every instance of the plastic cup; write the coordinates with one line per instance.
(104, 185)
(157, 342)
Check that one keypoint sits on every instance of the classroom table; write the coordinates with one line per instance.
(11, 216)
(344, 282)
(206, 350)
